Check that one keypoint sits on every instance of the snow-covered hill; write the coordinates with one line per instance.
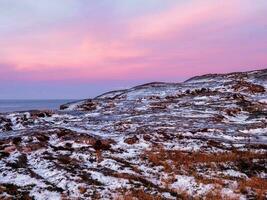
(204, 138)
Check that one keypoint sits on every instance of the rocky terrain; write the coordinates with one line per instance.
(205, 138)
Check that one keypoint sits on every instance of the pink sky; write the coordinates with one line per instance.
(127, 42)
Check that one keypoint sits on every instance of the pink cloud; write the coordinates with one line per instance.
(183, 18)
(192, 38)
(62, 49)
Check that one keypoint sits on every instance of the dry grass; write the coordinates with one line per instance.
(173, 158)
(138, 195)
(216, 195)
(258, 185)
(175, 162)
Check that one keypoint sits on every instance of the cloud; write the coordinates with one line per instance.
(17, 14)
(181, 18)
(54, 41)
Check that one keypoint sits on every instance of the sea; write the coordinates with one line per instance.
(24, 105)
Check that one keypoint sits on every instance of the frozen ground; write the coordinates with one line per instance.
(205, 138)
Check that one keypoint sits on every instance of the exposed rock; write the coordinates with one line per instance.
(20, 162)
(5, 124)
(131, 140)
(41, 114)
(101, 145)
(10, 149)
(147, 137)
(88, 105)
(247, 87)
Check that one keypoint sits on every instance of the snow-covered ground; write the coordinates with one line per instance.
(204, 138)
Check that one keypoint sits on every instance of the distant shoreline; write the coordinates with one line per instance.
(18, 105)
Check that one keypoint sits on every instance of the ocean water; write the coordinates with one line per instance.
(24, 105)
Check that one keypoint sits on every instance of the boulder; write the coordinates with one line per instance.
(131, 140)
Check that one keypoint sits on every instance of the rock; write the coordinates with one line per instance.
(7, 127)
(63, 107)
(131, 140)
(101, 145)
(41, 114)
(42, 137)
(89, 105)
(147, 137)
(16, 140)
(10, 149)
(122, 126)
(158, 106)
(4, 154)
(247, 87)
(21, 162)
(232, 111)
(64, 133)
(5, 124)
(82, 189)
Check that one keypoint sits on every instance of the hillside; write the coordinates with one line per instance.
(204, 138)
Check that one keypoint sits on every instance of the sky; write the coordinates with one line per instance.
(57, 49)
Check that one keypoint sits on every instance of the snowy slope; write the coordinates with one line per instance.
(204, 138)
